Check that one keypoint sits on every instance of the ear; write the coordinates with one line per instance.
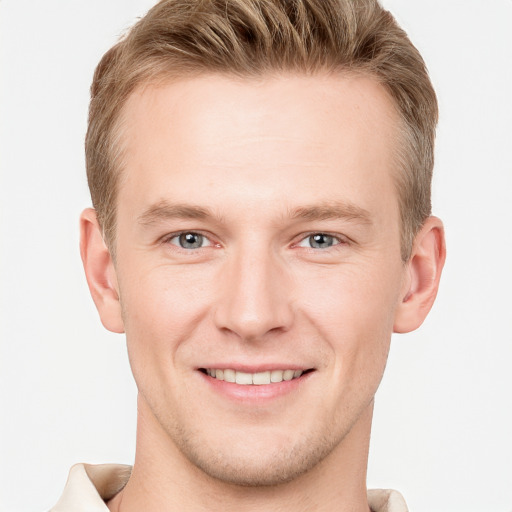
(100, 272)
(422, 276)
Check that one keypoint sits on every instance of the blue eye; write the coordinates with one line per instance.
(319, 241)
(190, 240)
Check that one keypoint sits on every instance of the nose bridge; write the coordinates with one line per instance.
(257, 297)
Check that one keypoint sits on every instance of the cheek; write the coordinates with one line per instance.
(165, 297)
(354, 312)
(162, 307)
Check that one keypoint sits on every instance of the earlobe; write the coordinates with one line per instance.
(424, 272)
(100, 272)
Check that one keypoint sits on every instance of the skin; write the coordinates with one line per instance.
(257, 167)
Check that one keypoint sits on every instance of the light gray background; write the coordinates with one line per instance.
(443, 417)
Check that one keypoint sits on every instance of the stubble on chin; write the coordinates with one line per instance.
(241, 464)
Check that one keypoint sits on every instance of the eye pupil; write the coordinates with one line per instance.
(321, 241)
(191, 240)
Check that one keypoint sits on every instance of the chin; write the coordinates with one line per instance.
(256, 464)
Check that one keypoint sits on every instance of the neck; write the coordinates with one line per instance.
(164, 479)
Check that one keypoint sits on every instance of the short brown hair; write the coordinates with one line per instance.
(179, 38)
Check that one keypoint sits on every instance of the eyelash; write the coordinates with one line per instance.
(338, 240)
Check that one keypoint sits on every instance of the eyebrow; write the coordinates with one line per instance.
(333, 210)
(163, 210)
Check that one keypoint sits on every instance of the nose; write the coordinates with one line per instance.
(257, 296)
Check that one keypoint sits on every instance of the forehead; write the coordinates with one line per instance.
(280, 138)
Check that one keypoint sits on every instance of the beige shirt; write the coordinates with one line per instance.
(90, 486)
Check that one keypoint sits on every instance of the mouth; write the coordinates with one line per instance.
(254, 379)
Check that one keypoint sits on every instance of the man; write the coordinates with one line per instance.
(260, 172)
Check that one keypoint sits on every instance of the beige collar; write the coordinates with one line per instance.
(90, 486)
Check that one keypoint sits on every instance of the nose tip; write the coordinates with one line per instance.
(256, 300)
(252, 328)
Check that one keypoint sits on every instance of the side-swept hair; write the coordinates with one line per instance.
(180, 38)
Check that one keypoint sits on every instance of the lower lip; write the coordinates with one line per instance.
(254, 393)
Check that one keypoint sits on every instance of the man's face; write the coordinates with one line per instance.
(258, 237)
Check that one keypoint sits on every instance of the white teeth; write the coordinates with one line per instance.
(229, 376)
(288, 374)
(243, 378)
(276, 376)
(258, 379)
(261, 378)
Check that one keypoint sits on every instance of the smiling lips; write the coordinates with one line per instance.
(258, 379)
